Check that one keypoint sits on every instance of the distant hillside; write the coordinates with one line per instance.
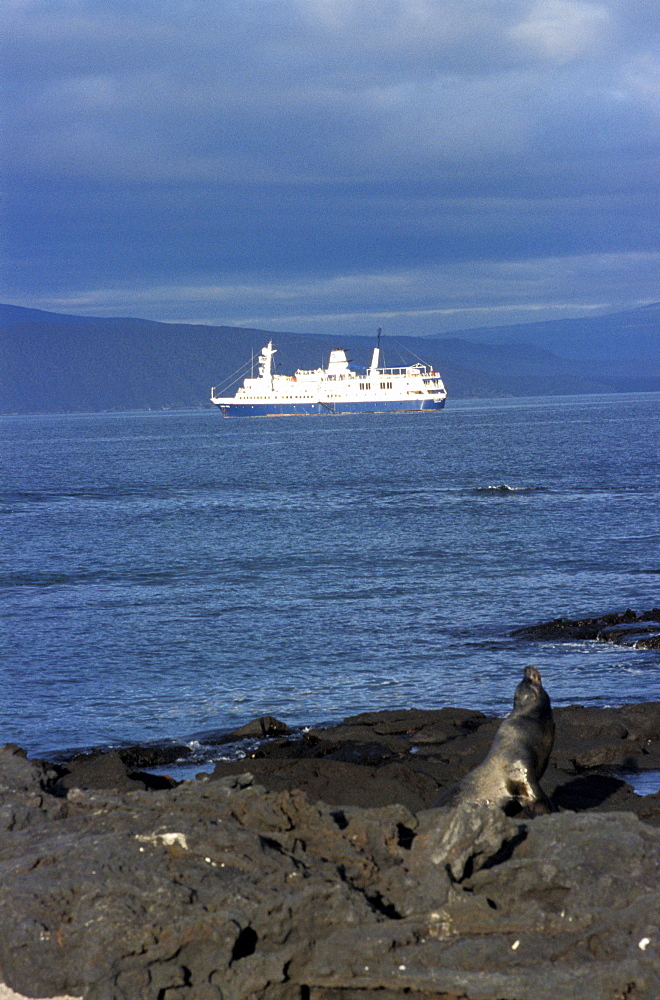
(51, 363)
(18, 314)
(630, 336)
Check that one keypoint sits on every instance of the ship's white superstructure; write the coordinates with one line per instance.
(335, 389)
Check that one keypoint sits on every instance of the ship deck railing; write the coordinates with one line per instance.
(317, 374)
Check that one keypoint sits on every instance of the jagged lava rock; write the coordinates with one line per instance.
(223, 889)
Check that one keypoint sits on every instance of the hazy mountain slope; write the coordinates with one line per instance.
(630, 336)
(19, 314)
(109, 364)
(51, 363)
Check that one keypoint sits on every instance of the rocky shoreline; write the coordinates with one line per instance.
(626, 628)
(315, 869)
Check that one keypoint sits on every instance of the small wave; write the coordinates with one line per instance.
(505, 488)
(110, 494)
(141, 577)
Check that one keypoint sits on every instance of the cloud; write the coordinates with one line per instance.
(562, 30)
(422, 300)
(640, 79)
(320, 89)
(193, 143)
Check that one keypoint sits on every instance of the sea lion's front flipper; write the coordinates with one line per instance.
(522, 784)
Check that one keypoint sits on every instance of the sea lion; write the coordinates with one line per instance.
(517, 758)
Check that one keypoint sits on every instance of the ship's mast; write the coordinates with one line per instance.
(375, 357)
(266, 363)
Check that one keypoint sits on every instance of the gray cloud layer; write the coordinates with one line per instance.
(434, 162)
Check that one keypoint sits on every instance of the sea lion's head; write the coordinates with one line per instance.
(531, 674)
(530, 690)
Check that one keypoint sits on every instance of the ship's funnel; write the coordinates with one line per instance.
(338, 363)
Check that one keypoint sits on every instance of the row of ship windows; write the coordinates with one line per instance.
(363, 385)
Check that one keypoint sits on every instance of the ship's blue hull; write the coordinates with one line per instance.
(316, 409)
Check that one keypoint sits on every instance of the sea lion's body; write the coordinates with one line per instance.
(518, 755)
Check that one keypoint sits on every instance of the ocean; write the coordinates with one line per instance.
(165, 575)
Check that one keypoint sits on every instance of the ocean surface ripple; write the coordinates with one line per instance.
(165, 574)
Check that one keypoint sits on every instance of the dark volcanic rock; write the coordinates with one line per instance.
(349, 763)
(627, 627)
(266, 725)
(153, 755)
(257, 729)
(340, 782)
(104, 770)
(323, 874)
(627, 738)
(380, 758)
(223, 889)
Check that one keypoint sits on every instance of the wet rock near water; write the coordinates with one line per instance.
(315, 870)
(627, 628)
(374, 759)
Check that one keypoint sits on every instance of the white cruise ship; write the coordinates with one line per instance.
(335, 389)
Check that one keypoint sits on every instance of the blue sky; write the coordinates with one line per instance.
(322, 165)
